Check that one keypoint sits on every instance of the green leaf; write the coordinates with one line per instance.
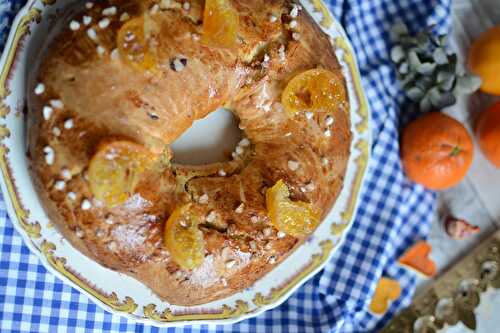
(447, 99)
(404, 68)
(408, 41)
(425, 104)
(415, 94)
(440, 57)
(426, 68)
(435, 97)
(467, 84)
(423, 41)
(445, 79)
(424, 82)
(414, 60)
(397, 30)
(408, 80)
(397, 54)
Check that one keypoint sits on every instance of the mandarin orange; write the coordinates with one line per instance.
(484, 60)
(436, 151)
(488, 133)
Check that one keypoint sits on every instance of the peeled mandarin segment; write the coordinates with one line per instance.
(294, 218)
(316, 90)
(220, 23)
(417, 258)
(133, 45)
(115, 170)
(387, 290)
(183, 239)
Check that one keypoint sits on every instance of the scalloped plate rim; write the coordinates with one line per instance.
(145, 320)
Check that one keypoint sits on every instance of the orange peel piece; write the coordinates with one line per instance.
(183, 239)
(220, 23)
(387, 291)
(417, 259)
(316, 90)
(295, 218)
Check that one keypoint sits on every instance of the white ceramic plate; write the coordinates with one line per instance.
(117, 292)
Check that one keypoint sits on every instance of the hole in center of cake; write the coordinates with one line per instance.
(209, 140)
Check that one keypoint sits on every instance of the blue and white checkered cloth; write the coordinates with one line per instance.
(393, 213)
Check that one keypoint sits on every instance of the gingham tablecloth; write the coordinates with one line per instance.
(393, 213)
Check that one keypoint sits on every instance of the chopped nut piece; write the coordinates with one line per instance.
(124, 16)
(329, 120)
(56, 131)
(293, 165)
(211, 217)
(79, 233)
(310, 187)
(178, 64)
(230, 263)
(49, 155)
(240, 208)
(244, 142)
(203, 199)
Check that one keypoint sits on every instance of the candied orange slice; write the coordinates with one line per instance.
(220, 23)
(183, 238)
(315, 90)
(115, 170)
(133, 45)
(295, 218)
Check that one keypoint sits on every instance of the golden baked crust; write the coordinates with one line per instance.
(104, 99)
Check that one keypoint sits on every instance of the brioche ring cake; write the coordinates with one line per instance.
(123, 80)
